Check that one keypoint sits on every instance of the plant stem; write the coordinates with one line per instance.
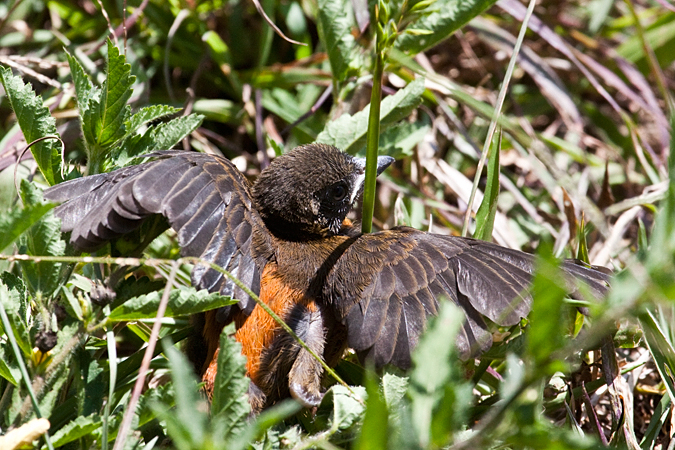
(373, 138)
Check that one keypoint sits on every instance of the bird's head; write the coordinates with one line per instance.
(309, 191)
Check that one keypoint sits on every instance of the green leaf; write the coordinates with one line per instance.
(485, 217)
(42, 239)
(448, 17)
(14, 297)
(219, 109)
(75, 429)
(401, 214)
(72, 306)
(288, 107)
(278, 149)
(187, 423)
(662, 350)
(230, 407)
(656, 423)
(547, 330)
(16, 221)
(182, 302)
(335, 22)
(113, 111)
(130, 365)
(437, 390)
(400, 140)
(8, 368)
(394, 389)
(582, 249)
(84, 89)
(221, 54)
(67, 343)
(347, 409)
(160, 137)
(148, 114)
(35, 122)
(103, 120)
(374, 432)
(349, 132)
(642, 240)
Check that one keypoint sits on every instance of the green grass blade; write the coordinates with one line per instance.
(485, 217)
(497, 112)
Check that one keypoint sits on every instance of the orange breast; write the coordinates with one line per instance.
(257, 331)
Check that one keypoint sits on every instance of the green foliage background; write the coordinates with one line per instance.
(583, 171)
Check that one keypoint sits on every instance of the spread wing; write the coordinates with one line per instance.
(402, 274)
(206, 200)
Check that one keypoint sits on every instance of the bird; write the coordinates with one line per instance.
(288, 238)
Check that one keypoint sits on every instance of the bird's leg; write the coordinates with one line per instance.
(286, 367)
(304, 378)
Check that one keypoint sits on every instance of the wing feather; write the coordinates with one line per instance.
(403, 275)
(206, 200)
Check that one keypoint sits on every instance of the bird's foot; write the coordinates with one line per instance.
(309, 398)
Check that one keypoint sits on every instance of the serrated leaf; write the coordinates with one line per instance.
(335, 21)
(14, 300)
(349, 132)
(75, 429)
(188, 422)
(230, 405)
(161, 137)
(84, 88)
(116, 91)
(42, 239)
(448, 17)
(485, 217)
(35, 122)
(148, 114)
(182, 302)
(103, 118)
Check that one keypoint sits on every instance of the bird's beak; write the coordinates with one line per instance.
(382, 163)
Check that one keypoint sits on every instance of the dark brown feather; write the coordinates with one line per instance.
(205, 199)
(385, 300)
(372, 292)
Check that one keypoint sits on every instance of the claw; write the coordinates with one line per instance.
(304, 397)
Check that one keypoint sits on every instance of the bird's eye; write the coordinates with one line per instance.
(339, 192)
